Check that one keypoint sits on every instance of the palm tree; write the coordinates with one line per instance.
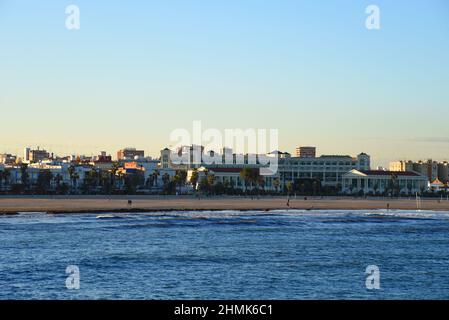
(276, 184)
(181, 178)
(4, 177)
(121, 176)
(57, 179)
(261, 183)
(43, 182)
(24, 174)
(194, 178)
(211, 179)
(155, 176)
(73, 176)
(249, 176)
(113, 171)
(289, 187)
(165, 179)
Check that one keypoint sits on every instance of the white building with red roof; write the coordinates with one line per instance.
(381, 182)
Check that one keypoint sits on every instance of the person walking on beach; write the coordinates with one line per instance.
(288, 202)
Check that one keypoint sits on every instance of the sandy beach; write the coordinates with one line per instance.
(96, 204)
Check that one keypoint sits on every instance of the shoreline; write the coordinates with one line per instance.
(10, 205)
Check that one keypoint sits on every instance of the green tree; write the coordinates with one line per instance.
(276, 184)
(90, 181)
(289, 187)
(194, 178)
(57, 179)
(4, 177)
(166, 182)
(155, 176)
(250, 176)
(132, 181)
(43, 182)
(180, 178)
(24, 176)
(210, 182)
(113, 172)
(73, 177)
(204, 185)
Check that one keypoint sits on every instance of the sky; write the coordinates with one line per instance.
(137, 70)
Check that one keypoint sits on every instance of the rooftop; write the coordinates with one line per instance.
(390, 173)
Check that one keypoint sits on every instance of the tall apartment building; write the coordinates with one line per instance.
(427, 168)
(443, 171)
(305, 152)
(35, 156)
(129, 154)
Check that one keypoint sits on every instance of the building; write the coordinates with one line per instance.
(401, 166)
(443, 172)
(102, 161)
(26, 155)
(437, 186)
(230, 177)
(428, 168)
(129, 154)
(37, 155)
(6, 158)
(328, 169)
(306, 152)
(382, 182)
(165, 160)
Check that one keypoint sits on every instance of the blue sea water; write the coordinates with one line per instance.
(226, 255)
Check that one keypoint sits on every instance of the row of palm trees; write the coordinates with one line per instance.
(115, 180)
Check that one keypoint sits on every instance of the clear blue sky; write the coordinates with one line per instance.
(139, 69)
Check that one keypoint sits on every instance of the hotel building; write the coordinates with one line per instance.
(328, 169)
(380, 182)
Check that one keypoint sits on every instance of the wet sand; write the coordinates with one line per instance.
(97, 204)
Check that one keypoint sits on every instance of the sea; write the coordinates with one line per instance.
(284, 254)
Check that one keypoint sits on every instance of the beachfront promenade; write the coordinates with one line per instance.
(95, 204)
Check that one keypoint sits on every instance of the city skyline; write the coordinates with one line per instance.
(313, 71)
(114, 154)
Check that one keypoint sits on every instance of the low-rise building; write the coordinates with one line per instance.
(305, 152)
(6, 158)
(231, 177)
(437, 186)
(382, 182)
(129, 154)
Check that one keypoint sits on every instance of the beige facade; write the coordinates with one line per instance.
(431, 169)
